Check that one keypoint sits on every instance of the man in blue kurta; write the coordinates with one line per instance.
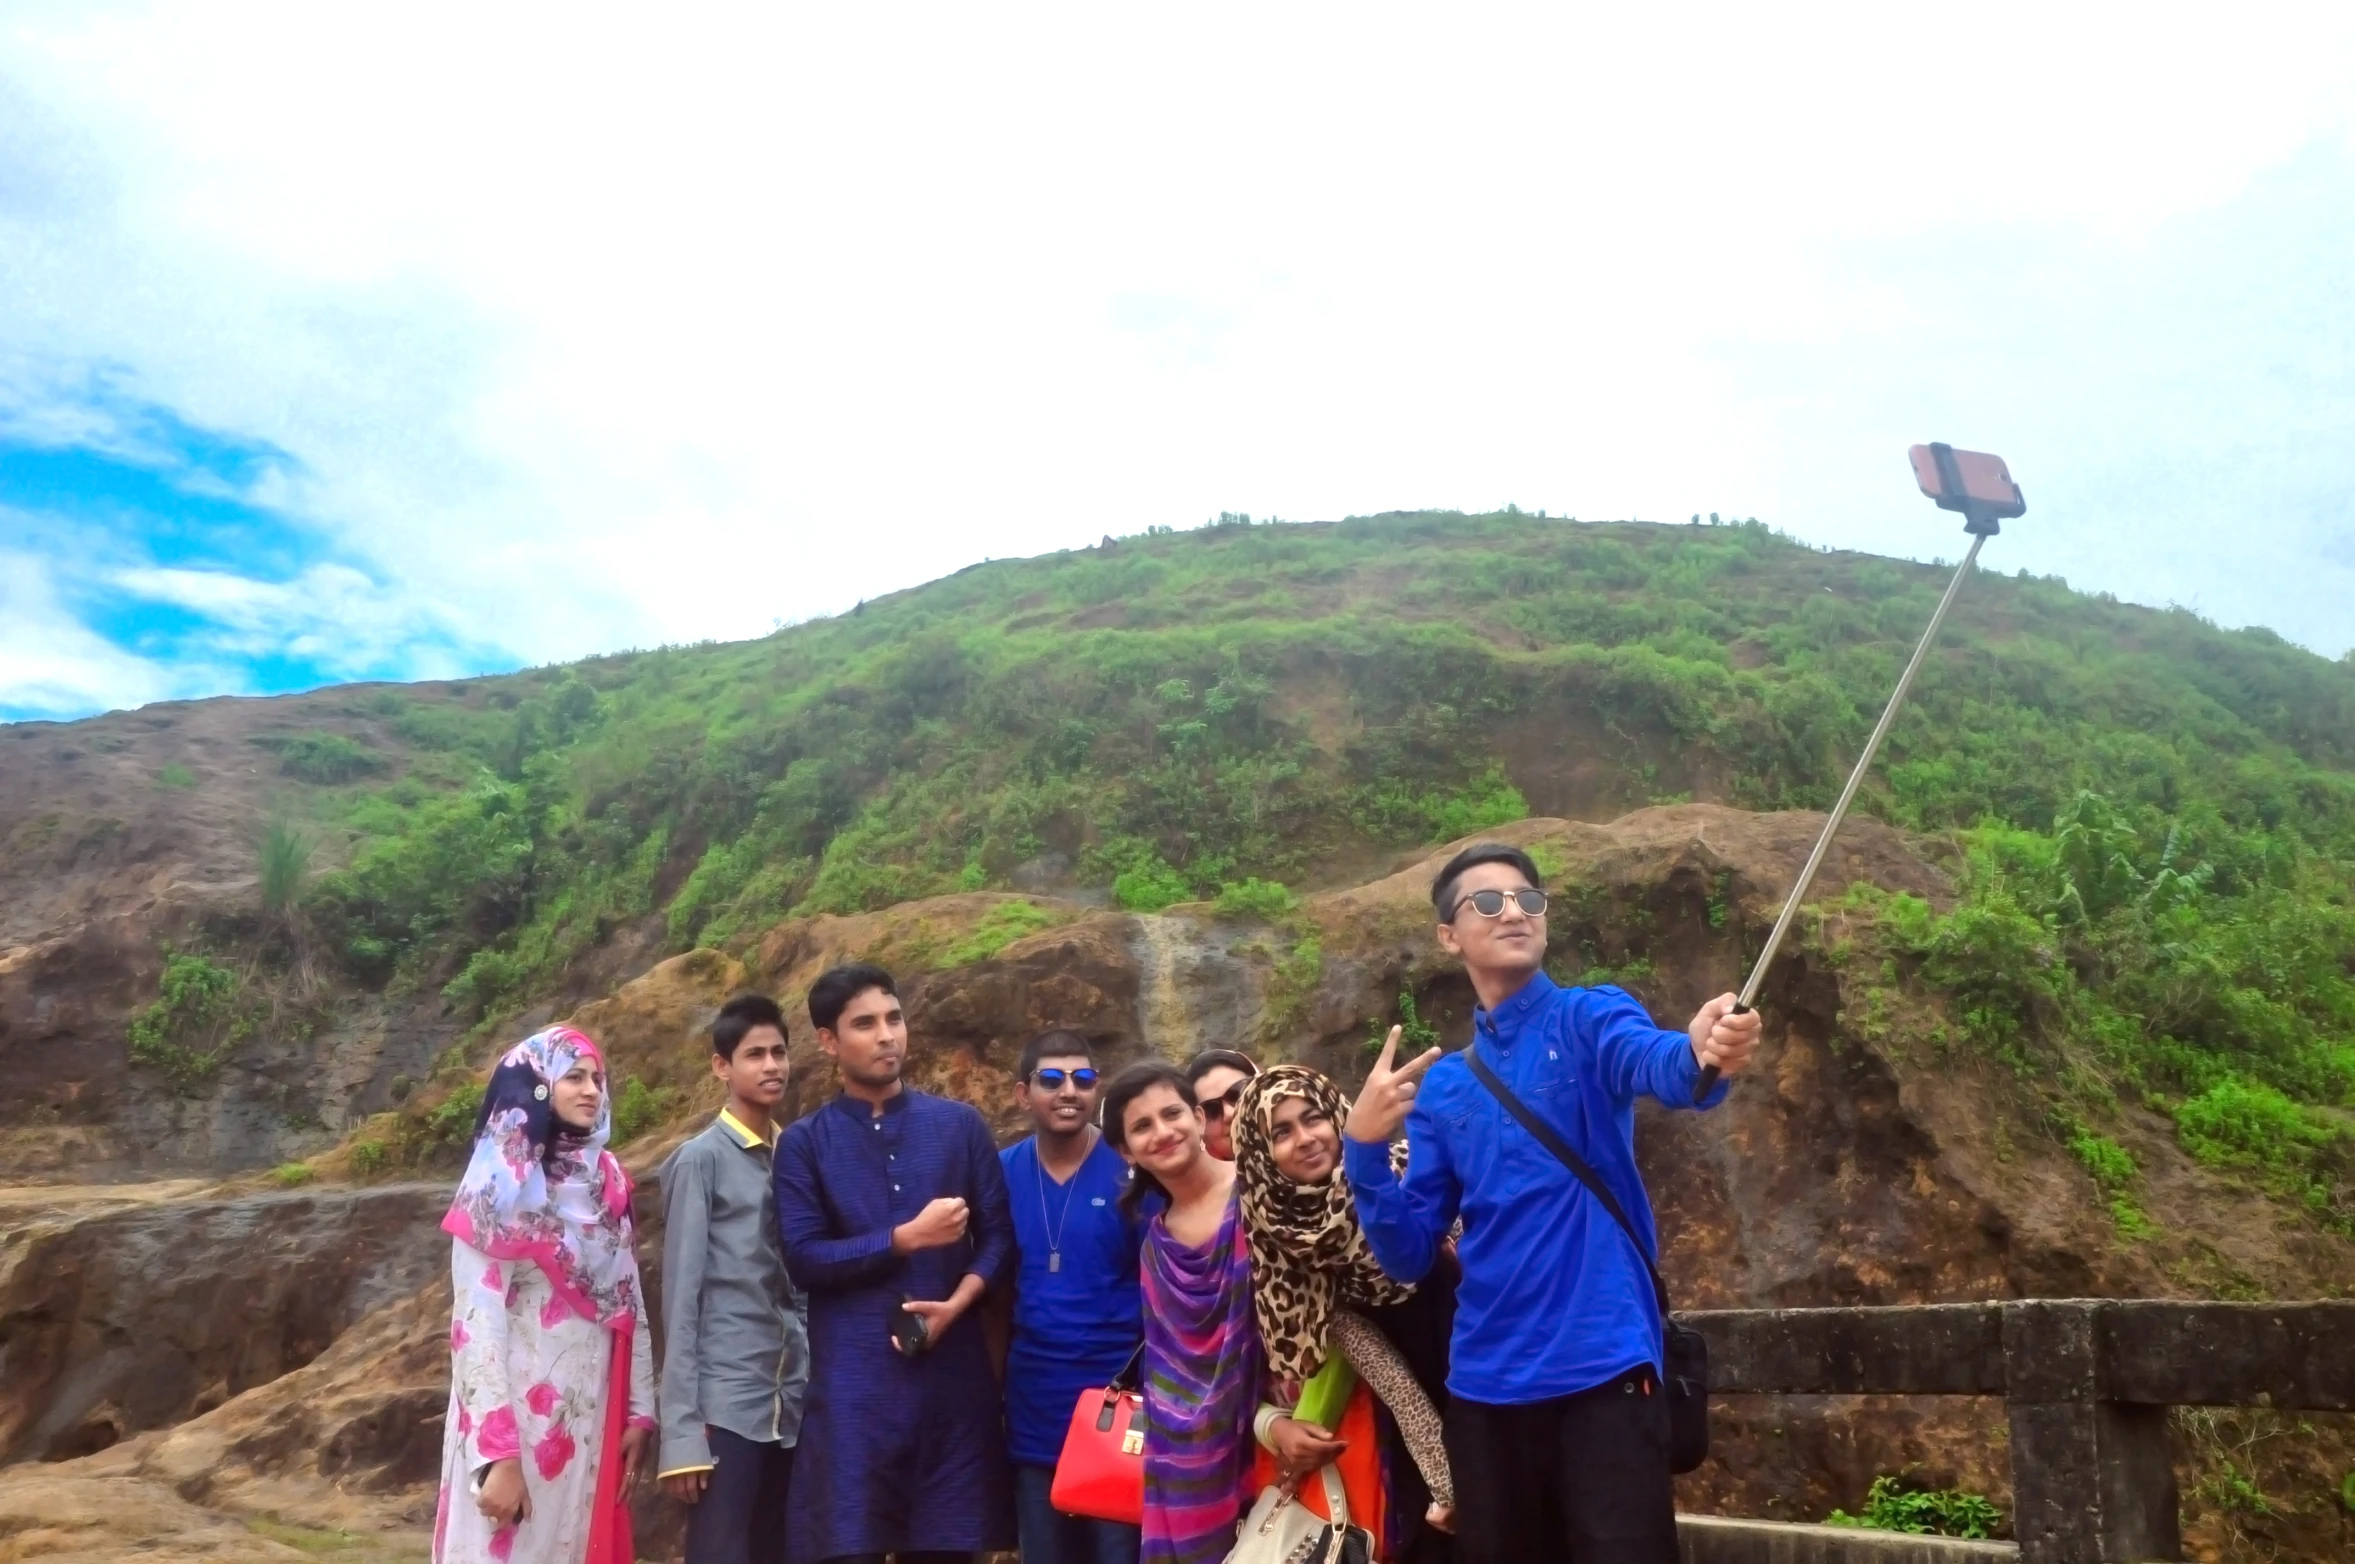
(1078, 1310)
(1556, 1425)
(892, 1209)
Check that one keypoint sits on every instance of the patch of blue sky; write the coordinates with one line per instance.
(158, 544)
(177, 518)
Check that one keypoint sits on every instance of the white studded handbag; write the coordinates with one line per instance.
(1282, 1530)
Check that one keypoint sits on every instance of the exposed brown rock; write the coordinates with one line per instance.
(121, 1316)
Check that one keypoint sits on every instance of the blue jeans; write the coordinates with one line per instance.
(1051, 1537)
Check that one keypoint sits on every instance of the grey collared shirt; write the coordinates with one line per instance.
(735, 1347)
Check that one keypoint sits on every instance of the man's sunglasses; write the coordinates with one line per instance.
(1224, 1103)
(1053, 1080)
(1491, 904)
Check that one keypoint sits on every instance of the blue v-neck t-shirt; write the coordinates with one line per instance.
(1074, 1324)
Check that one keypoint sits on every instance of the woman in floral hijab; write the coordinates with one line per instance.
(551, 1374)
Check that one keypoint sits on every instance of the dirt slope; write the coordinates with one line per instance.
(117, 835)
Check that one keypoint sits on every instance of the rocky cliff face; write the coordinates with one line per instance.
(119, 837)
(125, 1314)
(192, 1365)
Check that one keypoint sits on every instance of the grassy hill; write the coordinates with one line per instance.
(2154, 819)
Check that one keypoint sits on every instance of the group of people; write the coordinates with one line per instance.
(878, 1325)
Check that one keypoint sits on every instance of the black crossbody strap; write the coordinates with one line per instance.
(1545, 1136)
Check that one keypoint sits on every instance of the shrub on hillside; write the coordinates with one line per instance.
(324, 758)
(638, 1108)
(1149, 887)
(1401, 812)
(451, 1123)
(1266, 900)
(488, 977)
(197, 1020)
(1900, 1503)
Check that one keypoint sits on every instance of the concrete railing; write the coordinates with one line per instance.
(1711, 1539)
(2086, 1385)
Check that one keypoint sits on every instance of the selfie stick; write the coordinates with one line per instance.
(1981, 487)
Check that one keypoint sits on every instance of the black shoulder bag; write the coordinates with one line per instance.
(1686, 1353)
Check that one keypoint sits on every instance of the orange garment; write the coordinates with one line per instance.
(1360, 1464)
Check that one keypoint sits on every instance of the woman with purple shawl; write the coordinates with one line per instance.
(1202, 1365)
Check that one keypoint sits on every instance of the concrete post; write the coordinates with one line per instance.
(2092, 1479)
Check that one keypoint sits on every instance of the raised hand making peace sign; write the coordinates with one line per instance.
(1389, 1091)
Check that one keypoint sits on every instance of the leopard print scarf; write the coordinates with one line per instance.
(1308, 1254)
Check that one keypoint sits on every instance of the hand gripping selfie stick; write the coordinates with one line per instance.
(1981, 487)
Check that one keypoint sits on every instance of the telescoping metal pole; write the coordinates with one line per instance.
(1957, 480)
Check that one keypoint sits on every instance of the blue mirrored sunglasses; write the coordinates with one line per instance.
(1052, 1080)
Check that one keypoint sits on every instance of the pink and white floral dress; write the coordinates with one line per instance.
(531, 1377)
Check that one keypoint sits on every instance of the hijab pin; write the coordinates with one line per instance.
(539, 1094)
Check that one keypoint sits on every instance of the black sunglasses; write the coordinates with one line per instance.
(1052, 1080)
(1491, 904)
(1224, 1103)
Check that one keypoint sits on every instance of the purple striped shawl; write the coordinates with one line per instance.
(1202, 1372)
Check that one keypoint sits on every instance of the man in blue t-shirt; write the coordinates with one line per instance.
(1556, 1427)
(1078, 1313)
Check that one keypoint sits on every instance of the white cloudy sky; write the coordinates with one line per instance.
(475, 335)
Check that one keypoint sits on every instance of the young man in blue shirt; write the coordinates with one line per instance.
(1078, 1311)
(1557, 1429)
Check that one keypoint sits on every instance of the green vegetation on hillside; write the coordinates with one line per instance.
(2156, 817)
(324, 758)
(2212, 980)
(201, 1013)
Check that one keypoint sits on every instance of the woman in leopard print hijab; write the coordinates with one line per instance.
(1313, 1280)
(1308, 1254)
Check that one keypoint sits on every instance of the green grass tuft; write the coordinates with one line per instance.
(1264, 900)
(997, 928)
(1898, 1503)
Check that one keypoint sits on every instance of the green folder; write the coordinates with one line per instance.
(1326, 1395)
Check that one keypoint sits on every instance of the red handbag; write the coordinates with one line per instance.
(1101, 1473)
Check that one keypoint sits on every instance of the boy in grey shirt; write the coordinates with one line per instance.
(736, 1345)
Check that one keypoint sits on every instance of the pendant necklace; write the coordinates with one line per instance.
(1055, 1233)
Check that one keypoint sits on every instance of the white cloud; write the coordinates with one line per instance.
(602, 327)
(50, 665)
(329, 617)
(235, 601)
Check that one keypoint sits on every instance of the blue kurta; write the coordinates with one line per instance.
(896, 1456)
